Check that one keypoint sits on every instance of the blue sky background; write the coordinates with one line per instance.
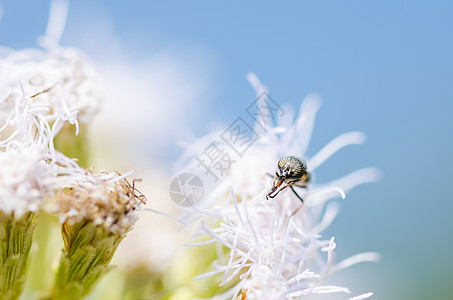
(382, 67)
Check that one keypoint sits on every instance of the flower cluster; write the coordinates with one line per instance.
(275, 248)
(26, 179)
(105, 199)
(96, 212)
(61, 82)
(40, 92)
(44, 94)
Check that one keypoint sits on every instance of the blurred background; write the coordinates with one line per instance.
(176, 70)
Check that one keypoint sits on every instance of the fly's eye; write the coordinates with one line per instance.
(282, 162)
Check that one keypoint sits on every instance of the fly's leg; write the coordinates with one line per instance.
(295, 212)
(278, 191)
(300, 198)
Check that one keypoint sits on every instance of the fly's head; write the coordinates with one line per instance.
(290, 170)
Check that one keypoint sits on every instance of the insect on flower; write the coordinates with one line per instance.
(291, 171)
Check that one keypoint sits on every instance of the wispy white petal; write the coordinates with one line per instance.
(259, 88)
(333, 146)
(299, 135)
(356, 178)
(56, 23)
(322, 289)
(330, 214)
(358, 258)
(362, 296)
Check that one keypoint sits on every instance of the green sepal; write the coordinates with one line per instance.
(16, 235)
(88, 250)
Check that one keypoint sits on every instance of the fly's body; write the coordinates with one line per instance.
(291, 171)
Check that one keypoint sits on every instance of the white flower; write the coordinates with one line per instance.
(23, 124)
(59, 80)
(277, 249)
(26, 179)
(42, 89)
(62, 82)
(106, 199)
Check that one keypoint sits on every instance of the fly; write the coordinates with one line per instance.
(291, 171)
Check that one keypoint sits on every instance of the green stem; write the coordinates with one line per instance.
(16, 235)
(85, 258)
(74, 146)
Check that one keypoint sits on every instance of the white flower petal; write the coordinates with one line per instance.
(333, 146)
(362, 296)
(358, 258)
(322, 289)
